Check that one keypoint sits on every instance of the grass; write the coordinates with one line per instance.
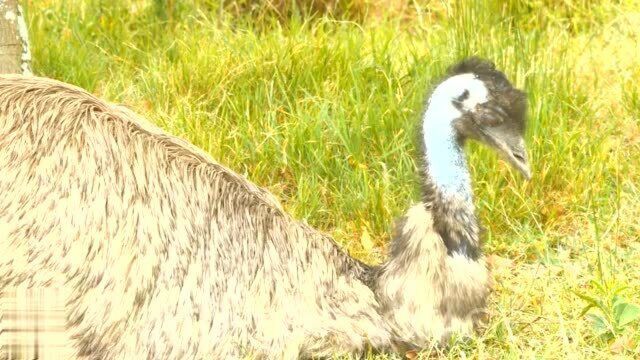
(323, 111)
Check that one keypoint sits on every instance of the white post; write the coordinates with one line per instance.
(15, 56)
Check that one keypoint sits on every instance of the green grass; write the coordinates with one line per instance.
(324, 112)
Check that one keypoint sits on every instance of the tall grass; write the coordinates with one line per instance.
(322, 108)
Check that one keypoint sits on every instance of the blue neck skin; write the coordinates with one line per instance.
(446, 162)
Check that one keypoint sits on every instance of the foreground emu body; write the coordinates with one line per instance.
(166, 254)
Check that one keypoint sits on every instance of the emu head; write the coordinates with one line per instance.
(492, 110)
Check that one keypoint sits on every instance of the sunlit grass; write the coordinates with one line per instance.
(324, 112)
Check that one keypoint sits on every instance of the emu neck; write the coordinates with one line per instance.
(446, 163)
(447, 182)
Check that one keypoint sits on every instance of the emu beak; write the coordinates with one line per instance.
(514, 151)
(510, 147)
(504, 136)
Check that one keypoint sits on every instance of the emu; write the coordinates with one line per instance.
(164, 253)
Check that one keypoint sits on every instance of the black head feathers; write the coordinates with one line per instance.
(501, 91)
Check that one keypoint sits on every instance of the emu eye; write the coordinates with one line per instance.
(464, 96)
(457, 102)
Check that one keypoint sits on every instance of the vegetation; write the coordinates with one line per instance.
(320, 102)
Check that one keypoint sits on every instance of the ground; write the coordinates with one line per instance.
(323, 111)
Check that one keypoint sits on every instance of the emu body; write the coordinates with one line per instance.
(166, 254)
